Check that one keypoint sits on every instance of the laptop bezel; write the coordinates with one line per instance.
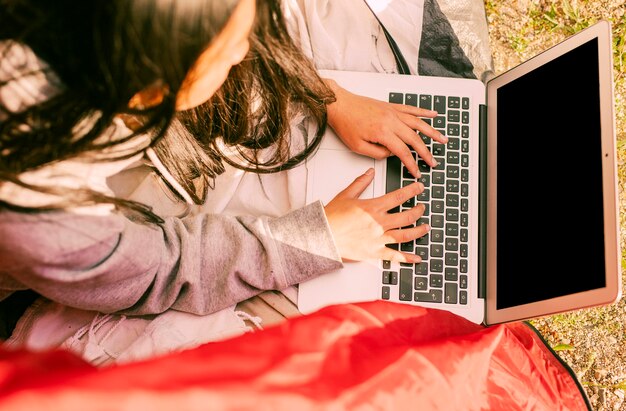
(612, 291)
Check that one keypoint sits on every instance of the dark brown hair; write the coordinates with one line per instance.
(103, 52)
(252, 111)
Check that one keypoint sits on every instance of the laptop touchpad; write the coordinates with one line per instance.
(332, 170)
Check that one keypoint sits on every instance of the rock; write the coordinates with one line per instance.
(602, 396)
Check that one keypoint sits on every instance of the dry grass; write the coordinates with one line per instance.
(593, 341)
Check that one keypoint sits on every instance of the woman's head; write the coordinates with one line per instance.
(105, 52)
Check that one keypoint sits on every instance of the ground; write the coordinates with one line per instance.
(592, 341)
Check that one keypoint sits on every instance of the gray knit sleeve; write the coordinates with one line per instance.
(198, 264)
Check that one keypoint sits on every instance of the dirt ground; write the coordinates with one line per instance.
(591, 341)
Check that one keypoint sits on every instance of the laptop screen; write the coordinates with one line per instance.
(549, 184)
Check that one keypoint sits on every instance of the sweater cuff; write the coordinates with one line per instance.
(305, 244)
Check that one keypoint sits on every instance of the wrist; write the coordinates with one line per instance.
(332, 108)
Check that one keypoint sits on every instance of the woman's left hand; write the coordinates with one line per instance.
(379, 129)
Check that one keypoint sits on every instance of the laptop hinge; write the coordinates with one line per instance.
(482, 203)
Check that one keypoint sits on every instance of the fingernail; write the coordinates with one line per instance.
(417, 173)
(444, 138)
(369, 172)
(435, 162)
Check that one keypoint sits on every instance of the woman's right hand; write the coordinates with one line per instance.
(362, 228)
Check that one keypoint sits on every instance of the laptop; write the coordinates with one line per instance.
(523, 206)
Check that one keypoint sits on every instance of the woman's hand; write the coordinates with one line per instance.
(379, 129)
(362, 228)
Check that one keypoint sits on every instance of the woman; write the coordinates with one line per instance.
(69, 72)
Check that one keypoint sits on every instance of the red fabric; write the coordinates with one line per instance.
(377, 355)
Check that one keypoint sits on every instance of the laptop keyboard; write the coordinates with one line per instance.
(441, 277)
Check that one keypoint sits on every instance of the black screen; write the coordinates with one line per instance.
(550, 223)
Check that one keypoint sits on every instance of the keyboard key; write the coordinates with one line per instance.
(465, 117)
(452, 274)
(420, 284)
(436, 236)
(452, 214)
(452, 130)
(386, 293)
(426, 101)
(452, 200)
(422, 252)
(407, 247)
(439, 149)
(465, 175)
(452, 157)
(464, 204)
(465, 190)
(436, 281)
(463, 281)
(434, 296)
(423, 167)
(463, 297)
(437, 221)
(410, 100)
(386, 264)
(396, 98)
(424, 196)
(452, 172)
(465, 103)
(463, 266)
(464, 146)
(438, 206)
(464, 235)
(440, 104)
(464, 160)
(454, 116)
(454, 102)
(438, 177)
(406, 285)
(438, 192)
(451, 291)
(464, 250)
(436, 266)
(436, 250)
(453, 143)
(452, 259)
(452, 244)
(421, 268)
(386, 277)
(465, 132)
(452, 229)
(394, 174)
(439, 122)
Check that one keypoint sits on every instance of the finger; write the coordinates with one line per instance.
(405, 218)
(423, 127)
(414, 111)
(390, 254)
(356, 188)
(410, 137)
(373, 150)
(399, 148)
(405, 235)
(399, 196)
